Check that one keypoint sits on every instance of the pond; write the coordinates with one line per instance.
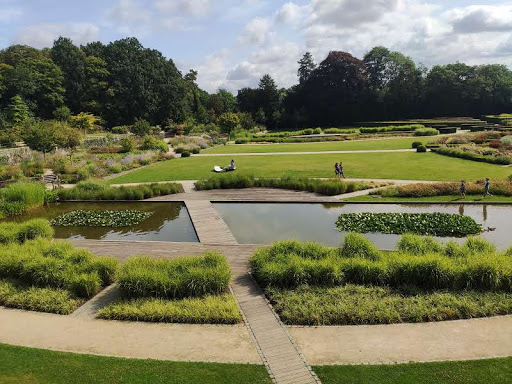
(256, 223)
(169, 222)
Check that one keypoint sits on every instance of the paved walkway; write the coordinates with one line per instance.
(303, 153)
(210, 227)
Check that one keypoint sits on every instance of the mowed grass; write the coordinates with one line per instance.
(30, 366)
(468, 372)
(447, 198)
(362, 145)
(402, 165)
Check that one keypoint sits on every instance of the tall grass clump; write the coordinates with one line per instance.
(419, 262)
(28, 230)
(99, 191)
(183, 277)
(17, 198)
(46, 264)
(330, 187)
(498, 187)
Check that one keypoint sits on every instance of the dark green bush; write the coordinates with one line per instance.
(426, 132)
(421, 149)
(128, 144)
(416, 144)
(195, 151)
(152, 143)
(178, 278)
(185, 154)
(179, 150)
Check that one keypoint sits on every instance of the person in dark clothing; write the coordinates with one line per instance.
(341, 170)
(487, 185)
(336, 170)
(463, 189)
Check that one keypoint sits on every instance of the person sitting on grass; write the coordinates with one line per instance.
(463, 189)
(231, 167)
(487, 184)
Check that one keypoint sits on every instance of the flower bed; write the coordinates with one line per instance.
(469, 154)
(435, 224)
(101, 218)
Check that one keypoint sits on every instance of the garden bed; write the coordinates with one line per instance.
(182, 290)
(357, 284)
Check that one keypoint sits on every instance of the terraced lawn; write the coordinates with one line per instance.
(490, 371)
(20, 365)
(391, 143)
(402, 165)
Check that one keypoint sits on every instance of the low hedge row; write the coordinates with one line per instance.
(183, 277)
(290, 264)
(498, 187)
(392, 128)
(330, 187)
(45, 264)
(426, 132)
(503, 160)
(89, 190)
(28, 230)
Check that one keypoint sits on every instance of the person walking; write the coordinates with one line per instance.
(341, 170)
(463, 189)
(487, 185)
(336, 170)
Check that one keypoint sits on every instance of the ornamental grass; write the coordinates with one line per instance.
(28, 230)
(498, 187)
(474, 265)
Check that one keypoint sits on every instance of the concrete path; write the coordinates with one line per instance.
(403, 343)
(176, 342)
(302, 153)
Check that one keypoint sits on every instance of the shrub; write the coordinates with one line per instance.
(128, 144)
(178, 278)
(59, 265)
(317, 131)
(220, 309)
(506, 141)
(152, 143)
(185, 154)
(418, 245)
(179, 150)
(426, 132)
(503, 160)
(195, 151)
(436, 224)
(141, 128)
(416, 144)
(496, 143)
(502, 188)
(356, 245)
(31, 194)
(421, 149)
(28, 230)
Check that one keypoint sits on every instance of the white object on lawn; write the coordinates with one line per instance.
(218, 169)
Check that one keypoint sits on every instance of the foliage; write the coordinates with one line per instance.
(421, 149)
(28, 230)
(323, 187)
(141, 128)
(151, 142)
(436, 224)
(112, 219)
(97, 191)
(426, 132)
(17, 198)
(355, 305)
(185, 154)
(416, 144)
(18, 111)
(393, 128)
(51, 300)
(501, 188)
(174, 279)
(218, 309)
(128, 144)
(452, 152)
(42, 136)
(228, 122)
(289, 264)
(46, 264)
(84, 121)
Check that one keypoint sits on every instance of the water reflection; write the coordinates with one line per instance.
(169, 222)
(265, 223)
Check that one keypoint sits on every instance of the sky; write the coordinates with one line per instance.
(233, 43)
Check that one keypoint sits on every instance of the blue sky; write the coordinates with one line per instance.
(233, 43)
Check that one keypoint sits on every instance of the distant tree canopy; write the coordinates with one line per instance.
(123, 82)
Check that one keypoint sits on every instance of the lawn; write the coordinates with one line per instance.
(30, 366)
(391, 143)
(403, 165)
(448, 198)
(468, 372)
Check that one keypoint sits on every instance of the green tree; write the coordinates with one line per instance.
(269, 100)
(17, 111)
(85, 121)
(306, 67)
(141, 128)
(229, 122)
(62, 114)
(68, 138)
(42, 136)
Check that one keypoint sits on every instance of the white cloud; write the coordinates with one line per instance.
(130, 17)
(290, 13)
(481, 18)
(196, 8)
(43, 35)
(257, 31)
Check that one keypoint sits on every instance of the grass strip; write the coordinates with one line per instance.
(29, 366)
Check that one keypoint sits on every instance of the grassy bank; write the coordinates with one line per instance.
(28, 366)
(390, 143)
(18, 198)
(403, 165)
(446, 198)
(490, 371)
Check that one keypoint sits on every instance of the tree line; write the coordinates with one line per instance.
(123, 82)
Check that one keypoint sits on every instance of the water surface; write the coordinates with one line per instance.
(259, 223)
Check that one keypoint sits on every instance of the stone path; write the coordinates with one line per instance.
(302, 153)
